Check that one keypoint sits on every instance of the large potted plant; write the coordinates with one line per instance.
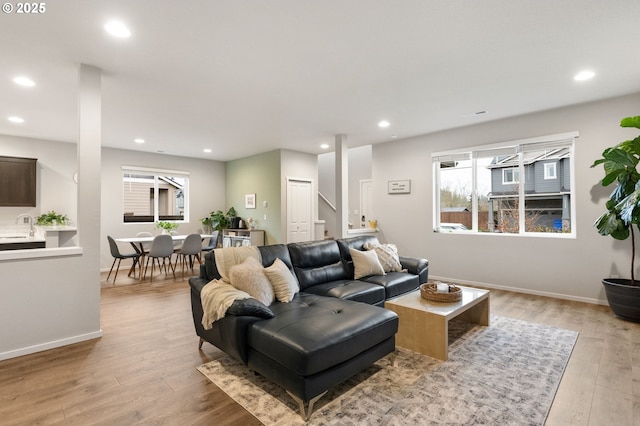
(622, 216)
(217, 221)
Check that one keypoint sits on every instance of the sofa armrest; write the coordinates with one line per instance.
(208, 269)
(228, 334)
(197, 283)
(416, 266)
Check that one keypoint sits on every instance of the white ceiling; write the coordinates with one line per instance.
(244, 77)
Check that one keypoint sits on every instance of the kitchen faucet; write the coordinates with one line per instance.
(31, 231)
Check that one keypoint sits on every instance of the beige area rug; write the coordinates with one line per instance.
(504, 374)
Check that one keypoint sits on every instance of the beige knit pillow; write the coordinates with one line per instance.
(387, 255)
(285, 285)
(249, 277)
(365, 263)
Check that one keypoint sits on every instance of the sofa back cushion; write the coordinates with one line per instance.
(275, 251)
(316, 262)
(356, 243)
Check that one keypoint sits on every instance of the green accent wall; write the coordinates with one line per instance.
(260, 175)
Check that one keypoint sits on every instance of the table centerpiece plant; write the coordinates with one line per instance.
(167, 227)
(623, 214)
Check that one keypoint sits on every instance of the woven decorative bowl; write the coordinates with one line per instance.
(429, 291)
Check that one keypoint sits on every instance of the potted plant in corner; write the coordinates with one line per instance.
(217, 221)
(622, 216)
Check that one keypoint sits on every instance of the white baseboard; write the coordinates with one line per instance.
(522, 290)
(50, 345)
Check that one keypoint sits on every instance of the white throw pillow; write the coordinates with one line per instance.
(249, 277)
(285, 285)
(387, 255)
(365, 263)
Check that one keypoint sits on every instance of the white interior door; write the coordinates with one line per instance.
(299, 207)
(366, 201)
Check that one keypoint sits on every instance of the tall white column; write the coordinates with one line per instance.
(89, 163)
(342, 185)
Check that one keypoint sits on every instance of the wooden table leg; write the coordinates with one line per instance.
(140, 251)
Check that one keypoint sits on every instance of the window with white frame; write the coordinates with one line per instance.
(510, 175)
(518, 187)
(152, 195)
(550, 170)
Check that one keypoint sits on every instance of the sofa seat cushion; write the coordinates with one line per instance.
(395, 283)
(356, 290)
(313, 333)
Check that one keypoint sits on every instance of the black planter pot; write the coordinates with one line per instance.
(623, 298)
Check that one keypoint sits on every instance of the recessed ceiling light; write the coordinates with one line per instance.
(584, 75)
(324, 146)
(117, 29)
(207, 150)
(24, 81)
(383, 124)
(15, 119)
(394, 136)
(138, 140)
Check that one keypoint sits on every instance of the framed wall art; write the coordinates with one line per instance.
(399, 186)
(250, 201)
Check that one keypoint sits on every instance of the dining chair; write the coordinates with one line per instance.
(213, 242)
(161, 248)
(190, 249)
(115, 252)
(145, 246)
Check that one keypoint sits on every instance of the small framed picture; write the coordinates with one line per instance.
(250, 201)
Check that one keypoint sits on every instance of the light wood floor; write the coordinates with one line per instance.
(143, 369)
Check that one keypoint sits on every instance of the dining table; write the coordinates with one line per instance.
(138, 245)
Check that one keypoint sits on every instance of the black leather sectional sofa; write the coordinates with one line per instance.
(333, 328)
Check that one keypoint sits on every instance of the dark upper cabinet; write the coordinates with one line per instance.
(17, 182)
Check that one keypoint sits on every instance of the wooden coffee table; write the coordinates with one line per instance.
(424, 324)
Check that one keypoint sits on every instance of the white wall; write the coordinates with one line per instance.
(206, 193)
(570, 268)
(359, 169)
(295, 164)
(56, 189)
(327, 186)
(48, 302)
(359, 162)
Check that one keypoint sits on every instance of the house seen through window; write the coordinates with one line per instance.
(151, 195)
(520, 187)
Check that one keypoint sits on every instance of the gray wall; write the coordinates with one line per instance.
(206, 193)
(564, 267)
(265, 175)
